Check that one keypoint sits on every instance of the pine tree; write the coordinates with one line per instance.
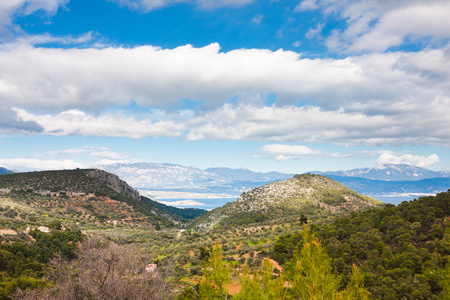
(310, 272)
(217, 276)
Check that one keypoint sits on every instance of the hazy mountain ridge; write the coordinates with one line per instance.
(307, 193)
(5, 171)
(177, 177)
(380, 187)
(388, 172)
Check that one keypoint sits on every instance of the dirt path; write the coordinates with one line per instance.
(179, 233)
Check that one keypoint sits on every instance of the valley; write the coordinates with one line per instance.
(256, 233)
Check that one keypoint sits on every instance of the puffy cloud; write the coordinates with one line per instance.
(377, 25)
(11, 123)
(75, 122)
(39, 164)
(89, 79)
(406, 124)
(428, 126)
(408, 159)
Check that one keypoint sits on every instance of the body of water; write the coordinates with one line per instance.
(398, 198)
(208, 204)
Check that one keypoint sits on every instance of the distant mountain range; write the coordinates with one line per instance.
(153, 176)
(389, 172)
(5, 171)
(390, 182)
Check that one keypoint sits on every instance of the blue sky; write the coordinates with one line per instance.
(289, 86)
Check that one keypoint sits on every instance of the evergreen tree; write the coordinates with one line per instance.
(217, 276)
(310, 273)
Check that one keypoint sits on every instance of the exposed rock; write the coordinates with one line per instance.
(114, 182)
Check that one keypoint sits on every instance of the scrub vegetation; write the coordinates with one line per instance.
(333, 244)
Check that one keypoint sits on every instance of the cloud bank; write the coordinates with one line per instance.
(90, 79)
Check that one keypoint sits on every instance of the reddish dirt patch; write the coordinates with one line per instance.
(275, 265)
(234, 288)
(7, 231)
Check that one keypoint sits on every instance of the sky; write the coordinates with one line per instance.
(268, 85)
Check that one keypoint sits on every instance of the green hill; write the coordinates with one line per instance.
(308, 194)
(82, 197)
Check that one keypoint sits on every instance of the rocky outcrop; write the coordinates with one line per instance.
(114, 182)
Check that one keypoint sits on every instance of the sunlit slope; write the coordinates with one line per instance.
(307, 194)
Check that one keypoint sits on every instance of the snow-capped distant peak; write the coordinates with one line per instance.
(391, 172)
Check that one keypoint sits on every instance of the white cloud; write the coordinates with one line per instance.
(412, 22)
(149, 5)
(105, 162)
(222, 3)
(314, 125)
(408, 159)
(287, 152)
(91, 151)
(296, 44)
(39, 164)
(8, 8)
(41, 39)
(88, 79)
(11, 123)
(251, 120)
(306, 5)
(376, 99)
(314, 32)
(146, 5)
(75, 122)
(377, 25)
(257, 19)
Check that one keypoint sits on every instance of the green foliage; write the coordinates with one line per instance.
(400, 250)
(245, 218)
(217, 276)
(310, 271)
(23, 264)
(261, 285)
(309, 276)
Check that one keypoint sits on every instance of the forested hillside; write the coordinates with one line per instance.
(402, 250)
